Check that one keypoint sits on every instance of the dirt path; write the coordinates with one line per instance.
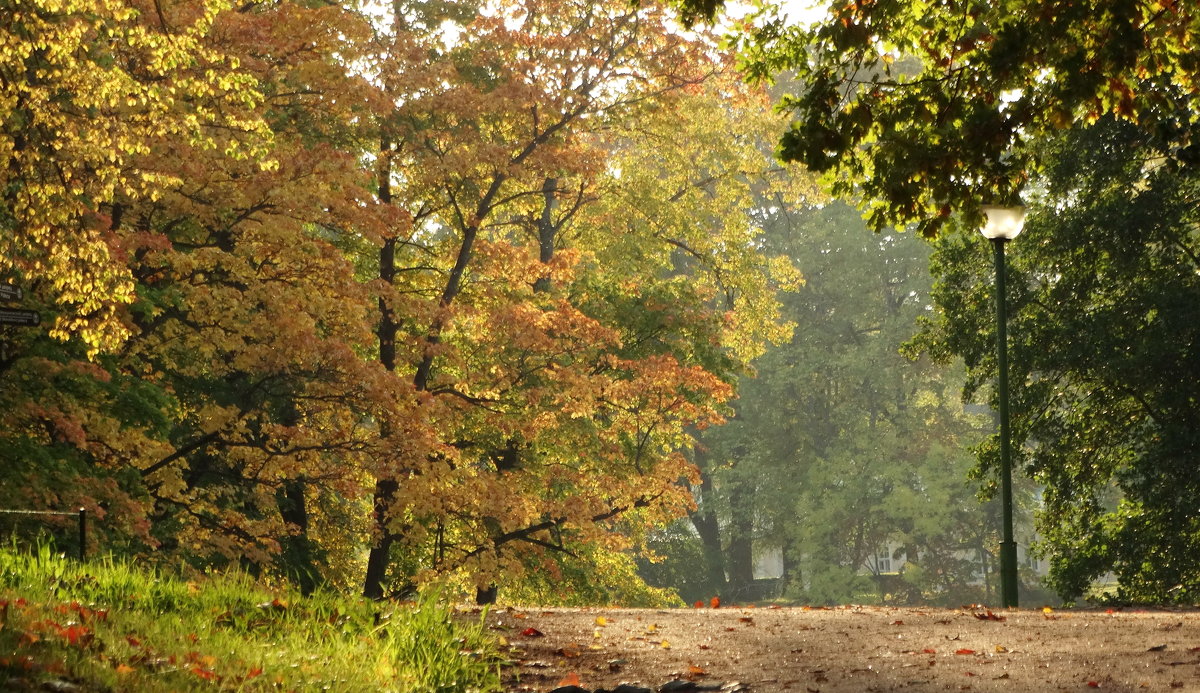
(854, 649)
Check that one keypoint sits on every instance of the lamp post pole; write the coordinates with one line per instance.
(1008, 546)
(1001, 226)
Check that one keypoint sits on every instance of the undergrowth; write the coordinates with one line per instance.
(110, 626)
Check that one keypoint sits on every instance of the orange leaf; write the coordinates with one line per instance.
(255, 672)
(571, 679)
(699, 604)
(715, 602)
(124, 669)
(532, 632)
(964, 651)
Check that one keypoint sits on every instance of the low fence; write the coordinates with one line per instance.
(81, 514)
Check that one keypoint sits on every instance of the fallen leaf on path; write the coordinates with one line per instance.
(964, 651)
(571, 679)
(988, 616)
(532, 632)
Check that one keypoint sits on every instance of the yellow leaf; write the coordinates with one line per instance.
(601, 621)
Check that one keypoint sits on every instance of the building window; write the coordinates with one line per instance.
(883, 563)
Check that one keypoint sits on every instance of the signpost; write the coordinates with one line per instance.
(8, 292)
(13, 316)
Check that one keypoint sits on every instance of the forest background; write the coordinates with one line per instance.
(368, 297)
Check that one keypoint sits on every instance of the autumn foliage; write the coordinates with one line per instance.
(455, 285)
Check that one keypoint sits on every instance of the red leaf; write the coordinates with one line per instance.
(929, 650)
(964, 651)
(205, 674)
(255, 672)
(988, 616)
(897, 623)
(1093, 684)
(532, 632)
(715, 602)
(699, 604)
(76, 634)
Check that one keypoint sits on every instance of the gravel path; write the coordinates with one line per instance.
(852, 649)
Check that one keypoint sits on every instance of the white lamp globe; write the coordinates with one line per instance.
(1002, 222)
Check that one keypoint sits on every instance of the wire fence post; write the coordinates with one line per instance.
(81, 514)
(82, 534)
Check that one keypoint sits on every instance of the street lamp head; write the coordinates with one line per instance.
(1002, 222)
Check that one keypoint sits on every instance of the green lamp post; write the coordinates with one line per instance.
(1002, 224)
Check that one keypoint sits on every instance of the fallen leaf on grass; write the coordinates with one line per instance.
(123, 669)
(206, 674)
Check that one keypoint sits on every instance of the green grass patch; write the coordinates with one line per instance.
(108, 625)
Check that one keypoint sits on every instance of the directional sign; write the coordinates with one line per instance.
(8, 292)
(9, 316)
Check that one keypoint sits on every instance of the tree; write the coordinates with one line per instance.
(238, 396)
(551, 305)
(840, 446)
(86, 89)
(927, 109)
(1107, 274)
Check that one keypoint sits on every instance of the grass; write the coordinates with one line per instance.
(110, 626)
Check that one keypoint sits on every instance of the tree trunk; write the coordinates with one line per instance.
(704, 519)
(298, 549)
(385, 488)
(740, 552)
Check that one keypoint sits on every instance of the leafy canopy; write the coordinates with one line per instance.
(930, 108)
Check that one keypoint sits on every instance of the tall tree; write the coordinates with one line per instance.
(86, 89)
(1107, 275)
(841, 447)
(536, 303)
(932, 108)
